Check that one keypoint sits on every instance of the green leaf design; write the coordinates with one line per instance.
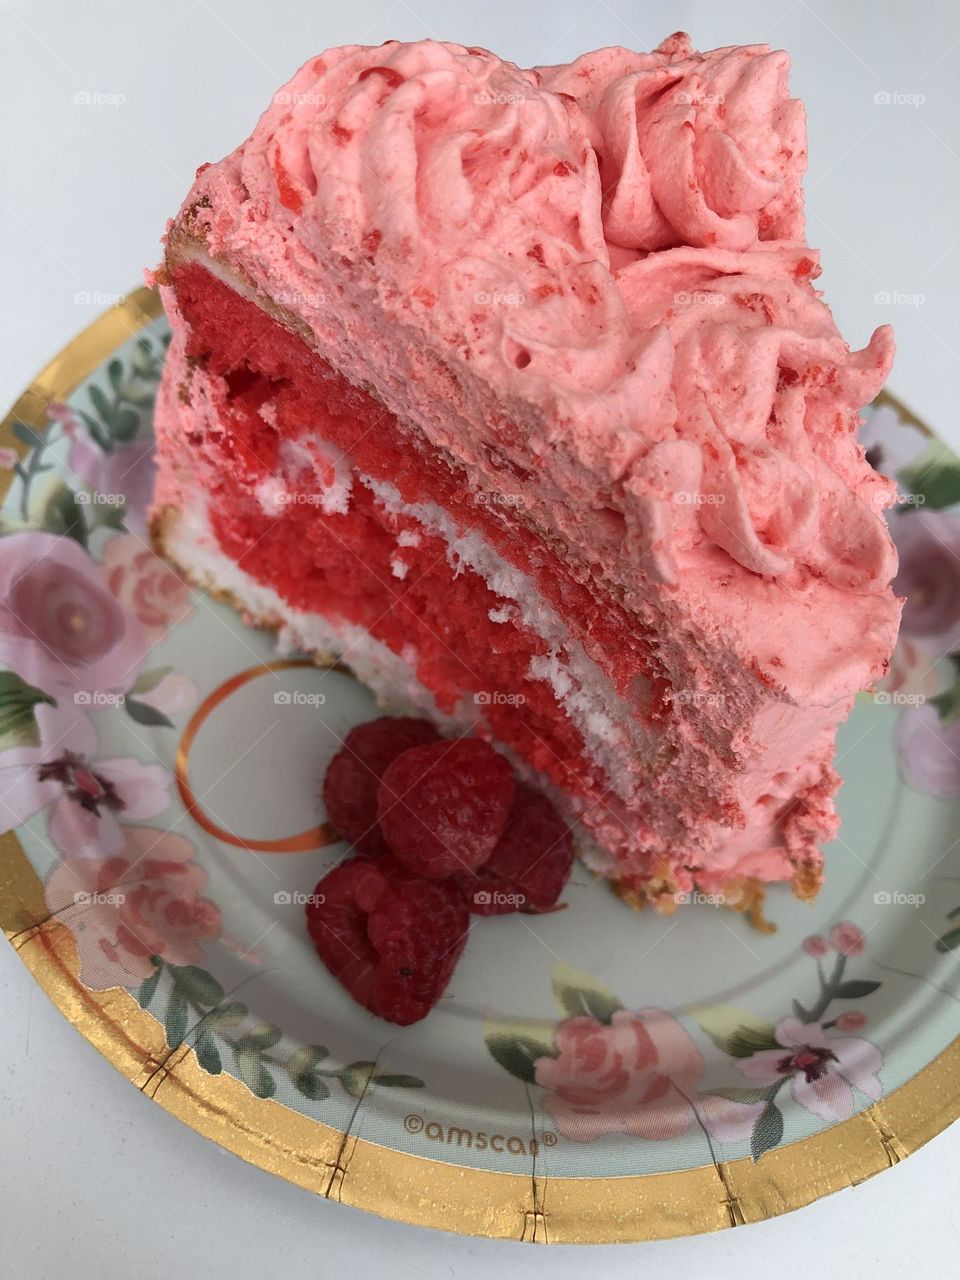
(253, 1073)
(311, 1086)
(102, 405)
(949, 941)
(144, 714)
(18, 703)
(767, 1132)
(578, 994)
(227, 1016)
(148, 988)
(734, 1031)
(28, 435)
(62, 515)
(855, 989)
(197, 984)
(305, 1059)
(148, 680)
(934, 476)
(126, 424)
(518, 1045)
(399, 1081)
(802, 1012)
(97, 432)
(356, 1077)
(736, 1094)
(175, 1022)
(115, 373)
(263, 1036)
(208, 1055)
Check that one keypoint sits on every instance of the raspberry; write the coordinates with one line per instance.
(442, 807)
(531, 863)
(353, 776)
(391, 939)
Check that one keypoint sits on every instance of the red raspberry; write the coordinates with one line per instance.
(391, 939)
(353, 776)
(442, 807)
(531, 863)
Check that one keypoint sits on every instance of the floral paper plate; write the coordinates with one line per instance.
(595, 1074)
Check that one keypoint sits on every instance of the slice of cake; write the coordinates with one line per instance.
(512, 389)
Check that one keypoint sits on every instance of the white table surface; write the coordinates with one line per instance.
(95, 1181)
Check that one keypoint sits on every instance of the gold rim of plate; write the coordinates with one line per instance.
(400, 1185)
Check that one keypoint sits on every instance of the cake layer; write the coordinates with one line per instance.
(539, 356)
(252, 430)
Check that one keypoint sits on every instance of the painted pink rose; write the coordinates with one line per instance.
(815, 946)
(637, 1075)
(146, 901)
(928, 751)
(145, 584)
(60, 628)
(8, 459)
(929, 576)
(129, 471)
(846, 938)
(912, 673)
(823, 1069)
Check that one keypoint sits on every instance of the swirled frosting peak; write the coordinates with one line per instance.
(591, 274)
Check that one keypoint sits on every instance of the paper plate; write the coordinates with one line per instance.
(593, 1075)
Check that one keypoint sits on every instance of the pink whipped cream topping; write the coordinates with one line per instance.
(614, 247)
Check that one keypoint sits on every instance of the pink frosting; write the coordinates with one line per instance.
(702, 389)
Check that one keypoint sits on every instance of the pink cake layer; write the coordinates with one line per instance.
(582, 292)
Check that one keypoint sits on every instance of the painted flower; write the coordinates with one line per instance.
(846, 938)
(823, 1069)
(635, 1075)
(929, 576)
(171, 694)
(60, 629)
(852, 1021)
(8, 459)
(729, 1121)
(913, 671)
(815, 946)
(145, 584)
(890, 444)
(86, 798)
(928, 751)
(127, 470)
(145, 901)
